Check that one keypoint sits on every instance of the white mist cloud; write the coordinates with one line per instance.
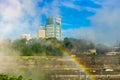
(24, 16)
(105, 23)
(12, 12)
(82, 33)
(51, 8)
(71, 4)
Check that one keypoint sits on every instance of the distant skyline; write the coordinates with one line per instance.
(97, 20)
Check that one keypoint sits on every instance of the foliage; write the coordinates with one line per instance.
(6, 77)
(102, 49)
(77, 46)
(52, 46)
(35, 47)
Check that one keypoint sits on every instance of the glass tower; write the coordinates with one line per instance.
(53, 28)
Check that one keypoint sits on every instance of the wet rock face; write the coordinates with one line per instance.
(61, 68)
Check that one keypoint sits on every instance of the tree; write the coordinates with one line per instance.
(37, 47)
(101, 49)
(6, 77)
(67, 43)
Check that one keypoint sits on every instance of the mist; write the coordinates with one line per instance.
(13, 64)
(17, 17)
(106, 22)
(105, 25)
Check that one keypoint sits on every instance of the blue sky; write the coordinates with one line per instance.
(73, 13)
(97, 20)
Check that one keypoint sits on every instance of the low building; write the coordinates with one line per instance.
(25, 36)
(112, 53)
(41, 32)
(90, 51)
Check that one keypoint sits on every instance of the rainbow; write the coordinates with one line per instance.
(76, 62)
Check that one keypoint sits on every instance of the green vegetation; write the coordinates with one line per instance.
(77, 46)
(37, 47)
(52, 47)
(41, 59)
(6, 77)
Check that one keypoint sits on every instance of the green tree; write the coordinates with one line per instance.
(101, 49)
(67, 43)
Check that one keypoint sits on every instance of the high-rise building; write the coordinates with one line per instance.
(41, 32)
(53, 28)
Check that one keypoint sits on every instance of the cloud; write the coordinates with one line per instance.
(22, 16)
(51, 8)
(105, 25)
(79, 33)
(12, 14)
(71, 4)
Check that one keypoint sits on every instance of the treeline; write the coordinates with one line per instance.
(36, 47)
(54, 47)
(81, 46)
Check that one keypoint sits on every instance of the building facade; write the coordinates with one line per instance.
(41, 32)
(53, 28)
(25, 36)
